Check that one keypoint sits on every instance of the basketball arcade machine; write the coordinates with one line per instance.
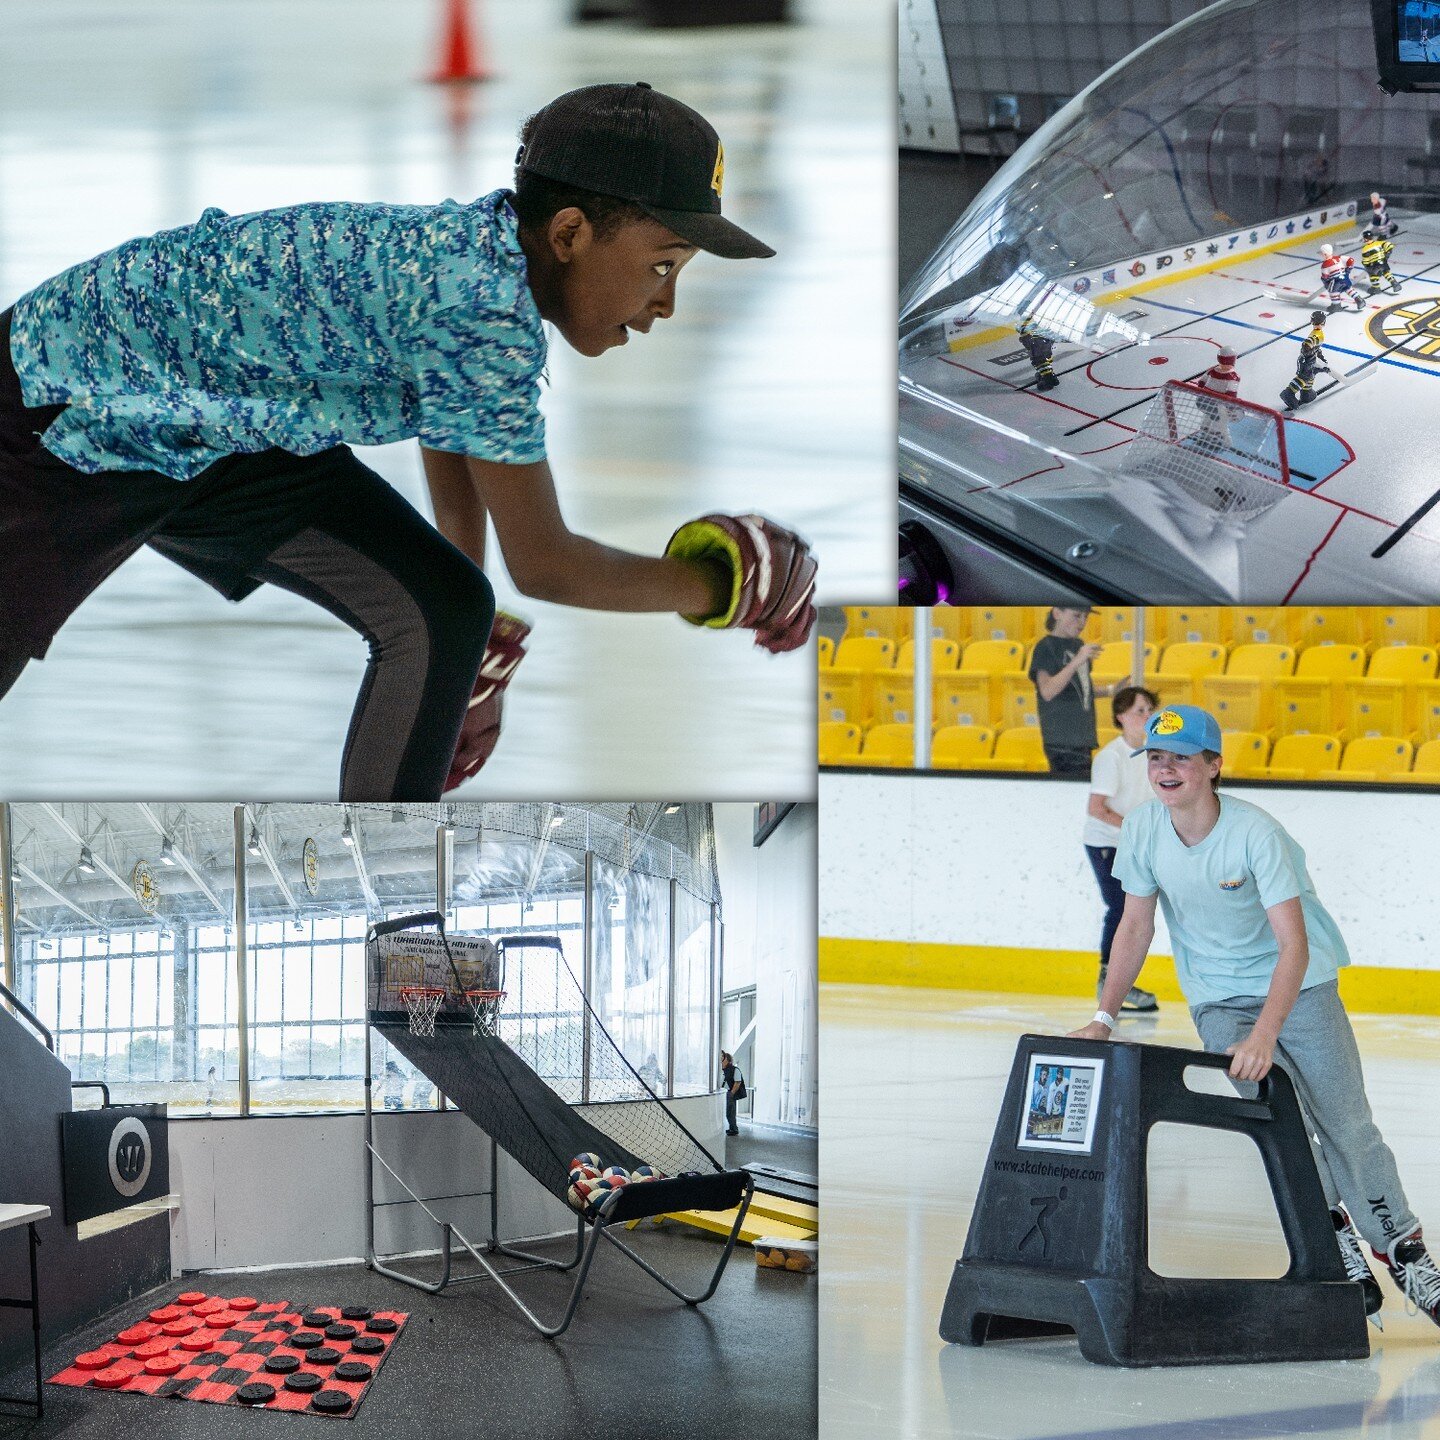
(438, 1000)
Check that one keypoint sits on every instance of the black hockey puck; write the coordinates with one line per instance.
(332, 1402)
(323, 1355)
(381, 1326)
(306, 1339)
(367, 1345)
(340, 1332)
(255, 1393)
(356, 1312)
(282, 1364)
(318, 1318)
(303, 1380)
(353, 1370)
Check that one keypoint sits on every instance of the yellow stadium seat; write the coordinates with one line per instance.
(1114, 624)
(1268, 625)
(1002, 622)
(1330, 662)
(1178, 626)
(1412, 625)
(1016, 749)
(964, 700)
(1377, 707)
(1017, 702)
(958, 747)
(951, 622)
(894, 702)
(839, 742)
(1426, 770)
(1427, 710)
(845, 697)
(944, 655)
(827, 651)
(889, 745)
(1104, 734)
(864, 652)
(1184, 664)
(884, 622)
(1304, 757)
(1238, 702)
(1244, 752)
(1402, 662)
(992, 657)
(1260, 660)
(1333, 625)
(1115, 659)
(1307, 707)
(1376, 757)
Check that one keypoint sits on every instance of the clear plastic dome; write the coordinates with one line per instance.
(1176, 209)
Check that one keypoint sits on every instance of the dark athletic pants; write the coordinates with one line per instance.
(322, 526)
(1102, 862)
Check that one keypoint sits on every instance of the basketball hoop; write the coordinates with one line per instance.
(422, 1004)
(485, 1007)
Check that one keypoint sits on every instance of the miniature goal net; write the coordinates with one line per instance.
(1224, 454)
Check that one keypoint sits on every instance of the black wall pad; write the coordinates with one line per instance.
(1059, 1237)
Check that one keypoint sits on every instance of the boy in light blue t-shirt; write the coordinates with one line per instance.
(1257, 956)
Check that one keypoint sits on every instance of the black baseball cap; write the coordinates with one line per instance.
(634, 143)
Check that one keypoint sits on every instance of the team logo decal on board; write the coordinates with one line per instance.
(1415, 324)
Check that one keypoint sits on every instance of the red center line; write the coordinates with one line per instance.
(1300, 580)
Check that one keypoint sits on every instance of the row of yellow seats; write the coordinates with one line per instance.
(1349, 708)
(1186, 659)
(952, 747)
(1293, 757)
(1368, 625)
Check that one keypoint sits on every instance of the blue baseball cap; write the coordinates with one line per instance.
(1181, 729)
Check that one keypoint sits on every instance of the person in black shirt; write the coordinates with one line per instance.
(734, 1090)
(1060, 668)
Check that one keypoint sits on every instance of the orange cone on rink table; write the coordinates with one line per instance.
(462, 52)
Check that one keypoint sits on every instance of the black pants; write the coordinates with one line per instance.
(1102, 862)
(1071, 764)
(730, 1111)
(322, 526)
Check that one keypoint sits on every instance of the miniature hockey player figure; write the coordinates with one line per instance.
(1375, 257)
(1380, 221)
(1336, 280)
(1041, 350)
(1301, 390)
(1221, 378)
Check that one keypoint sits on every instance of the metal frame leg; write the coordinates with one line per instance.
(33, 1306)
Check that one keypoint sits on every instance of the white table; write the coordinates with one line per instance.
(12, 1217)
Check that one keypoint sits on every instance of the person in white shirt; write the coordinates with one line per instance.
(1118, 783)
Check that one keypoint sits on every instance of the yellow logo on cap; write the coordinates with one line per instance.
(717, 180)
(1167, 722)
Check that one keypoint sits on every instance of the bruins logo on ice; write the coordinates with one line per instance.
(1415, 324)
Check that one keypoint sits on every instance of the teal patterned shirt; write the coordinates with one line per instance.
(300, 328)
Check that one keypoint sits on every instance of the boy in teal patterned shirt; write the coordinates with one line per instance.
(197, 390)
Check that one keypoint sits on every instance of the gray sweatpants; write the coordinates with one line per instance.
(1317, 1050)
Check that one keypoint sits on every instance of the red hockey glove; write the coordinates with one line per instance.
(505, 650)
(772, 576)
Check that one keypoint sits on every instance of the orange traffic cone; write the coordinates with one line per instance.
(462, 55)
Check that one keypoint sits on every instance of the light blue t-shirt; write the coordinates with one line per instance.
(301, 328)
(1214, 896)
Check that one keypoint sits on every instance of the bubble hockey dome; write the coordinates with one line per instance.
(1176, 207)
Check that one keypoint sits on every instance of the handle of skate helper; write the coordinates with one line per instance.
(514, 942)
(421, 921)
(1258, 1108)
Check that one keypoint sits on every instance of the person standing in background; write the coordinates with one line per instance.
(1060, 668)
(735, 1090)
(1118, 783)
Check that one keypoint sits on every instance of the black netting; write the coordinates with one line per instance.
(527, 1085)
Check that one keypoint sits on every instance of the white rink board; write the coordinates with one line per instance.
(991, 861)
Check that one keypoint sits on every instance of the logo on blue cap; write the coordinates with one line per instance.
(1181, 729)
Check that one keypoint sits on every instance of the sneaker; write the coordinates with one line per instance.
(1136, 1000)
(1413, 1270)
(1357, 1268)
